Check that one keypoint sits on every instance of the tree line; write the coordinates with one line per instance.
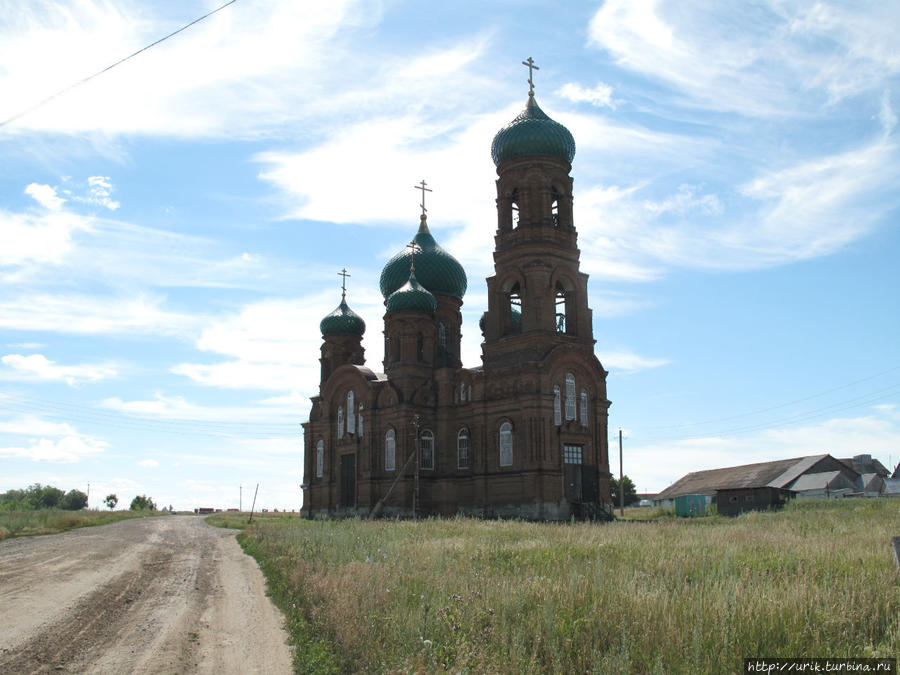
(37, 496)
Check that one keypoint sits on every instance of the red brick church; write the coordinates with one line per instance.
(522, 435)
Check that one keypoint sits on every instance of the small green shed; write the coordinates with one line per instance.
(688, 506)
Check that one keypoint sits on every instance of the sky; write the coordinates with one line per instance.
(171, 231)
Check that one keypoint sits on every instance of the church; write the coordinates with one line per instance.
(523, 435)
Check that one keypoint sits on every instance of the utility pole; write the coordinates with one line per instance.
(240, 497)
(621, 480)
(89, 494)
(416, 474)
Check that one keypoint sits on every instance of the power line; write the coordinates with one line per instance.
(775, 407)
(110, 67)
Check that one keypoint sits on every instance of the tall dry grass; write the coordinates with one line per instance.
(53, 521)
(671, 596)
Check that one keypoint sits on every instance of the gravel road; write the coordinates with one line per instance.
(149, 595)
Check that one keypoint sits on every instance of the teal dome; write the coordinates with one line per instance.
(437, 270)
(343, 321)
(530, 134)
(411, 297)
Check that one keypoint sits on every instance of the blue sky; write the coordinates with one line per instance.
(172, 230)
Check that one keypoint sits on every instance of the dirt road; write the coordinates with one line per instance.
(150, 595)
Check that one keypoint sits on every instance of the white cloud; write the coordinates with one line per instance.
(655, 465)
(148, 463)
(230, 419)
(95, 314)
(599, 95)
(100, 193)
(45, 195)
(64, 445)
(768, 59)
(628, 361)
(46, 238)
(37, 366)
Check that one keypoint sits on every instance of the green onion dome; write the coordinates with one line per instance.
(438, 271)
(530, 134)
(411, 297)
(343, 321)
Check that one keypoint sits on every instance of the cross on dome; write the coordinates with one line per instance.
(421, 186)
(531, 69)
(343, 274)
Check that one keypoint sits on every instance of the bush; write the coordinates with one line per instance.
(75, 500)
(111, 501)
(142, 503)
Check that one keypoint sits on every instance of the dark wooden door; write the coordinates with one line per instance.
(348, 480)
(573, 483)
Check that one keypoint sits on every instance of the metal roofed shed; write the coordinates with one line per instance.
(689, 506)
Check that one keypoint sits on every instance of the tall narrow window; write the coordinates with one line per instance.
(560, 309)
(570, 396)
(554, 209)
(360, 420)
(462, 392)
(557, 406)
(584, 407)
(420, 347)
(426, 447)
(514, 207)
(340, 426)
(506, 444)
(390, 450)
(442, 335)
(320, 459)
(351, 414)
(462, 449)
(515, 307)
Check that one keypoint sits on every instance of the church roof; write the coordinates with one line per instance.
(533, 133)
(436, 270)
(343, 321)
(411, 297)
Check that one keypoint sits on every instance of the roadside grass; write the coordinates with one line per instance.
(54, 521)
(238, 520)
(669, 596)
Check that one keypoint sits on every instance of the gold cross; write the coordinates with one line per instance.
(343, 274)
(413, 247)
(421, 186)
(531, 68)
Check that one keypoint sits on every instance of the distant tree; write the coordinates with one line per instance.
(142, 503)
(630, 491)
(39, 496)
(74, 500)
(111, 501)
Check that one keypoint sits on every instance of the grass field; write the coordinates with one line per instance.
(667, 596)
(53, 521)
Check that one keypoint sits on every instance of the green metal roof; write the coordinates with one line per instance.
(533, 133)
(343, 321)
(411, 297)
(436, 270)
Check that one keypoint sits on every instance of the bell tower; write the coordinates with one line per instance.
(537, 296)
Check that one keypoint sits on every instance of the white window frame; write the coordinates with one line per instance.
(570, 397)
(462, 449)
(351, 413)
(390, 450)
(506, 444)
(557, 405)
(426, 450)
(320, 459)
(584, 407)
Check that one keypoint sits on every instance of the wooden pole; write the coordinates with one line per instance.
(254, 503)
(621, 480)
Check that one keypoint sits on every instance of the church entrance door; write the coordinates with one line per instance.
(572, 465)
(348, 480)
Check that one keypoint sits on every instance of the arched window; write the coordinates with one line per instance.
(557, 406)
(420, 347)
(426, 447)
(554, 207)
(570, 396)
(351, 416)
(462, 449)
(360, 420)
(560, 309)
(340, 426)
(390, 450)
(515, 308)
(442, 335)
(514, 208)
(320, 459)
(506, 444)
(584, 407)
